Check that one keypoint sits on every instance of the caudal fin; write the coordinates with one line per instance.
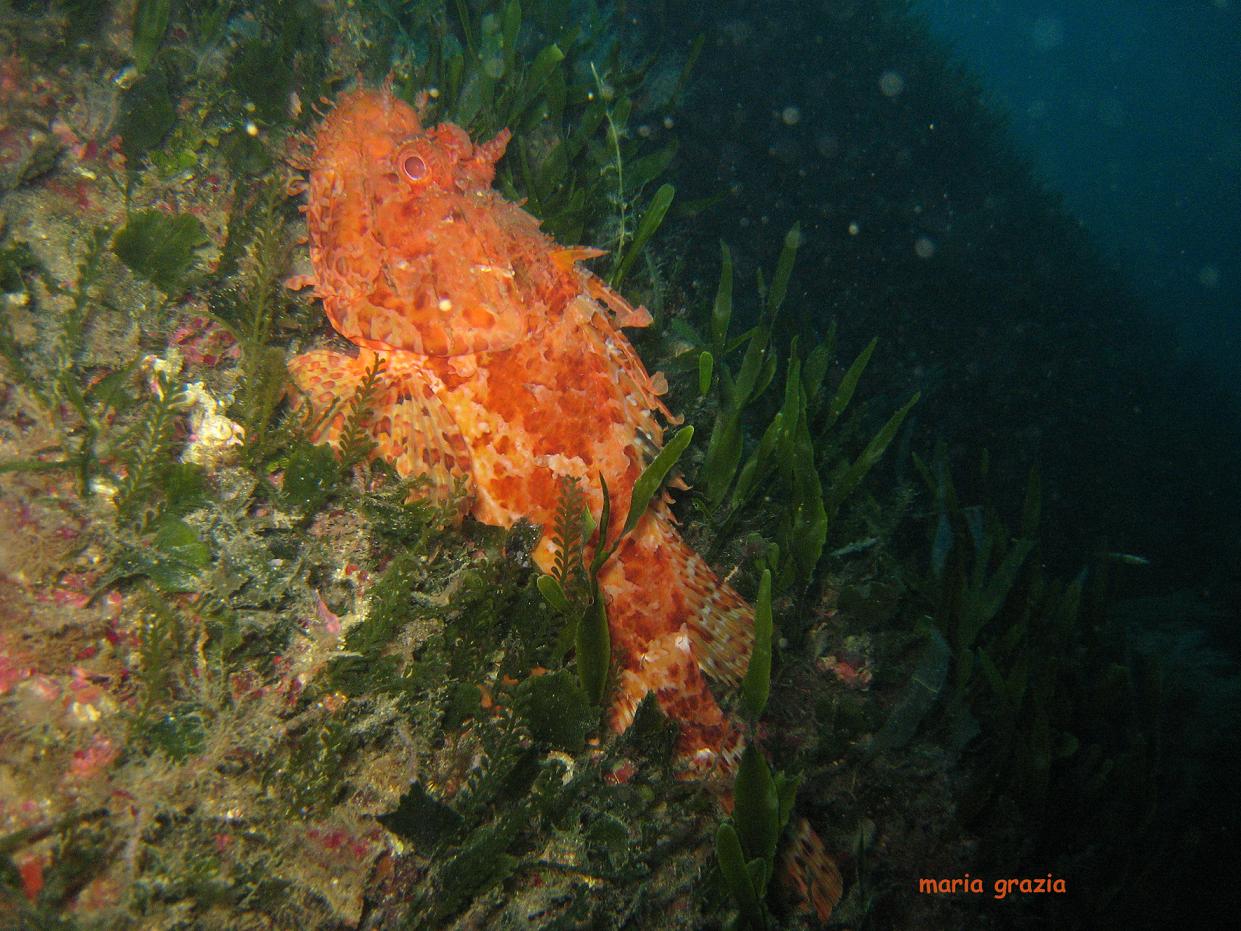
(809, 874)
(720, 621)
(672, 621)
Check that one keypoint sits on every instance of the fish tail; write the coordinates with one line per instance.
(808, 874)
(720, 621)
(672, 621)
(708, 744)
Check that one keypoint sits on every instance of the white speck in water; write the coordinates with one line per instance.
(1047, 33)
(1209, 276)
(891, 84)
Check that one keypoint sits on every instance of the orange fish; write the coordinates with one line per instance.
(503, 368)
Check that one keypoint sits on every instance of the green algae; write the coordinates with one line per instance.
(422, 819)
(311, 477)
(746, 843)
(149, 26)
(160, 247)
(794, 448)
(756, 686)
(53, 368)
(146, 118)
(746, 884)
(149, 446)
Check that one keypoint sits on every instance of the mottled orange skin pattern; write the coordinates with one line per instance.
(503, 367)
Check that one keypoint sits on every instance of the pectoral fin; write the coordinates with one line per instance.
(408, 423)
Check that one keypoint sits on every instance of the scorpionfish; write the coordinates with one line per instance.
(503, 369)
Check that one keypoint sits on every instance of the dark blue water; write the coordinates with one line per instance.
(1133, 112)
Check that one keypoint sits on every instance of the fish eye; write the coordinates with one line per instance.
(412, 166)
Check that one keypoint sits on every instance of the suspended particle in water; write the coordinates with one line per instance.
(1209, 276)
(854, 229)
(790, 116)
(1047, 33)
(828, 144)
(891, 84)
(924, 247)
(1111, 112)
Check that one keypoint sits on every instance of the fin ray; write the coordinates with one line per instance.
(411, 427)
(808, 873)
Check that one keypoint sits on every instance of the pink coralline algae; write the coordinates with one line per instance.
(93, 759)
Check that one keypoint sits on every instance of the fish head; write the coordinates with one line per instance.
(362, 131)
(412, 250)
(444, 159)
(376, 142)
